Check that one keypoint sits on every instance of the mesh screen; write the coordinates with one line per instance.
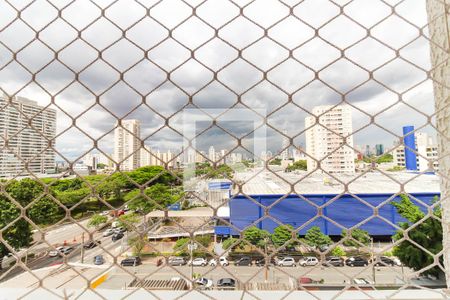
(222, 145)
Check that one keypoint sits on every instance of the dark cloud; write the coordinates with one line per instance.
(155, 86)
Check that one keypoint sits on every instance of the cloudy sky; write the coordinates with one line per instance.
(95, 61)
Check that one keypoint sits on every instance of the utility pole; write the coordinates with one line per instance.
(266, 266)
(82, 247)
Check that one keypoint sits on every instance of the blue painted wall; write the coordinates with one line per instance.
(409, 140)
(345, 210)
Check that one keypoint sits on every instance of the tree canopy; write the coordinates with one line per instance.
(314, 237)
(358, 235)
(18, 235)
(298, 165)
(427, 234)
(257, 237)
(97, 220)
(282, 234)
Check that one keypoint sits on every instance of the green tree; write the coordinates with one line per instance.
(129, 221)
(44, 211)
(428, 234)
(338, 251)
(232, 242)
(181, 244)
(315, 238)
(298, 165)
(275, 162)
(359, 235)
(138, 243)
(282, 234)
(24, 191)
(18, 235)
(97, 220)
(156, 195)
(255, 236)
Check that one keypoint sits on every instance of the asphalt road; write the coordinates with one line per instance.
(383, 275)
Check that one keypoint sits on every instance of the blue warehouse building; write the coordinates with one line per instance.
(373, 212)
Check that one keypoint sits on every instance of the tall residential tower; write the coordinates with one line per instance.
(29, 131)
(326, 142)
(127, 144)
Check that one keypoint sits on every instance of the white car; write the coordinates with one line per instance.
(108, 232)
(223, 261)
(204, 283)
(286, 262)
(56, 252)
(308, 261)
(199, 261)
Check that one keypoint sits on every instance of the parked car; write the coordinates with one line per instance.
(384, 261)
(197, 262)
(223, 261)
(286, 262)
(115, 224)
(56, 252)
(117, 236)
(131, 261)
(116, 213)
(308, 261)
(308, 280)
(226, 283)
(105, 213)
(91, 244)
(176, 261)
(361, 281)
(203, 283)
(120, 230)
(67, 250)
(333, 261)
(99, 260)
(356, 262)
(243, 261)
(108, 232)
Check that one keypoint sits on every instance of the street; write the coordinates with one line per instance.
(333, 276)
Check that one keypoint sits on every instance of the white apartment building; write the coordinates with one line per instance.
(321, 141)
(150, 157)
(25, 143)
(211, 154)
(427, 152)
(127, 144)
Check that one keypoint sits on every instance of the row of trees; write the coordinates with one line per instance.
(38, 198)
(285, 236)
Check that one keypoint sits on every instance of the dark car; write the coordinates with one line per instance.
(99, 260)
(226, 283)
(91, 244)
(131, 261)
(243, 261)
(117, 236)
(333, 261)
(357, 262)
(385, 261)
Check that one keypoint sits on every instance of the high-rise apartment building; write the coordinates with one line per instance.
(211, 154)
(424, 153)
(29, 131)
(127, 144)
(326, 143)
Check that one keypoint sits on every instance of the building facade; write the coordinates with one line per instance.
(425, 153)
(27, 134)
(325, 139)
(127, 144)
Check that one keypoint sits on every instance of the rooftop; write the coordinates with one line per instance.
(262, 181)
